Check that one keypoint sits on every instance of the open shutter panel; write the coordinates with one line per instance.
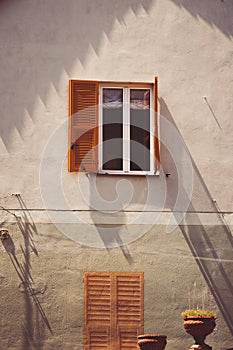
(156, 140)
(97, 315)
(129, 309)
(83, 125)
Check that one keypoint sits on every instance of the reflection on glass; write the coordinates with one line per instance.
(139, 129)
(112, 129)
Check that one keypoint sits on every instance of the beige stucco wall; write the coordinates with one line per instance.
(188, 45)
(44, 45)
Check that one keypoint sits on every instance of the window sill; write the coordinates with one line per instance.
(131, 173)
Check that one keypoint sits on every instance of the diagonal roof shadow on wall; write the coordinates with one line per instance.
(218, 13)
(40, 41)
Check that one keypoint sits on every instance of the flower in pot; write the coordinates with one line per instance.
(199, 323)
(152, 341)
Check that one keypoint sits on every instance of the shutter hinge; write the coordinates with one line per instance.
(73, 145)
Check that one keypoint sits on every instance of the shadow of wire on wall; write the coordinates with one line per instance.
(33, 328)
(211, 245)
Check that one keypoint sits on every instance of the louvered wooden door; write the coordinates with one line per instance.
(114, 307)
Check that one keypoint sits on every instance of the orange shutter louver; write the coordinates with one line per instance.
(114, 310)
(83, 125)
(129, 309)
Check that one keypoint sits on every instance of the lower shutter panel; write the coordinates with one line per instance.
(127, 338)
(98, 338)
(84, 149)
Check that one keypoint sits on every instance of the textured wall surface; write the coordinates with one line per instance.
(44, 44)
(42, 291)
(115, 223)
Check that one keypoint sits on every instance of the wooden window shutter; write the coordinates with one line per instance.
(129, 309)
(114, 310)
(97, 314)
(83, 125)
(156, 140)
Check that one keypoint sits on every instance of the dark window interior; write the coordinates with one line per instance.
(139, 130)
(113, 129)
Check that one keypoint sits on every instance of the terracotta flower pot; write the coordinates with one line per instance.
(152, 341)
(199, 327)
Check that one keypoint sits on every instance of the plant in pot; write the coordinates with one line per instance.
(152, 341)
(199, 323)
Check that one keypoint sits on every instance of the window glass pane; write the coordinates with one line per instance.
(140, 129)
(113, 129)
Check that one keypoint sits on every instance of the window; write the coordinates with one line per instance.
(113, 310)
(113, 127)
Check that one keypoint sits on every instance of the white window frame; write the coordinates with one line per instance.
(126, 130)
